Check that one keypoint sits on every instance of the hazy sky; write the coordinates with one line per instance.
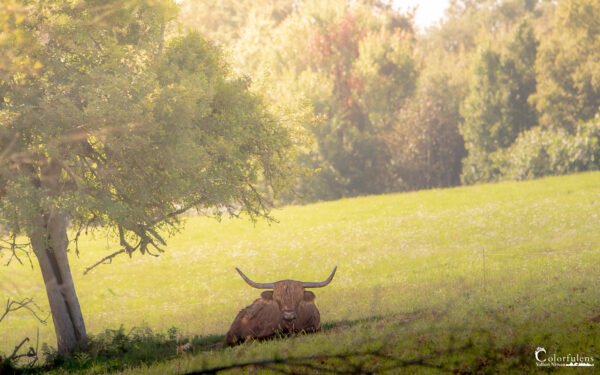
(428, 11)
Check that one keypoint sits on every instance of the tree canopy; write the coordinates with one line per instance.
(505, 68)
(119, 126)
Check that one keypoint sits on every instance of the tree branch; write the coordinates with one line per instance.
(178, 211)
(14, 353)
(147, 235)
(144, 241)
(12, 306)
(31, 353)
(106, 260)
(14, 247)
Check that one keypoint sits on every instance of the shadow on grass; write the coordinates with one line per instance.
(340, 325)
(119, 349)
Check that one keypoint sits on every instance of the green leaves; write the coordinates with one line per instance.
(497, 108)
(357, 72)
(568, 67)
(141, 128)
(542, 152)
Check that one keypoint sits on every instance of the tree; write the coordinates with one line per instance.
(354, 63)
(123, 131)
(225, 21)
(568, 67)
(427, 145)
(497, 108)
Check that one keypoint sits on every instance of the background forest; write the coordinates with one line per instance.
(498, 90)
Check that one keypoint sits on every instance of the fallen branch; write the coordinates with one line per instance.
(12, 306)
(14, 353)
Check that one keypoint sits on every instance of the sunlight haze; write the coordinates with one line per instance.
(428, 12)
(299, 186)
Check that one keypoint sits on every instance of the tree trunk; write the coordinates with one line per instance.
(48, 236)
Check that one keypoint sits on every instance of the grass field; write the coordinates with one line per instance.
(465, 279)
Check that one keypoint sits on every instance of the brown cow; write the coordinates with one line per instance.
(285, 309)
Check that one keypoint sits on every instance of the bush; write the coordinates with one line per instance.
(118, 349)
(542, 152)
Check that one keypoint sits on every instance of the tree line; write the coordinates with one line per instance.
(498, 90)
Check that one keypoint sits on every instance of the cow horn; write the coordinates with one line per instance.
(320, 284)
(255, 284)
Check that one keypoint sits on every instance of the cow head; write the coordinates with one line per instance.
(288, 293)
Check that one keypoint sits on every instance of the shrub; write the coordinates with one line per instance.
(541, 152)
(118, 349)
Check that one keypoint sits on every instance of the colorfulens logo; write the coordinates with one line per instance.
(569, 360)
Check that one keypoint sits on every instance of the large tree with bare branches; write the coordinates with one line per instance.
(116, 128)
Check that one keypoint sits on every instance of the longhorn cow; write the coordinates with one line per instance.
(285, 308)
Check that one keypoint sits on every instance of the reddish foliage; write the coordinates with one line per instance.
(339, 39)
(334, 49)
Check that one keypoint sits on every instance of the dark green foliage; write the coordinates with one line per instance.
(427, 147)
(497, 108)
(7, 367)
(119, 349)
(544, 152)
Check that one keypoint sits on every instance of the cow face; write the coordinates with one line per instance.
(288, 294)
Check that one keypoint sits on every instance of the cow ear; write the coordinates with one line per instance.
(268, 294)
(309, 296)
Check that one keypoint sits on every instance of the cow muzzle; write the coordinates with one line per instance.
(289, 315)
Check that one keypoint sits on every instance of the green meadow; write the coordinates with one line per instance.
(465, 279)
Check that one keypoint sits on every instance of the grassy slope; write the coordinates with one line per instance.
(519, 262)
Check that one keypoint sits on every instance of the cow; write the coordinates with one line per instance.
(284, 309)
